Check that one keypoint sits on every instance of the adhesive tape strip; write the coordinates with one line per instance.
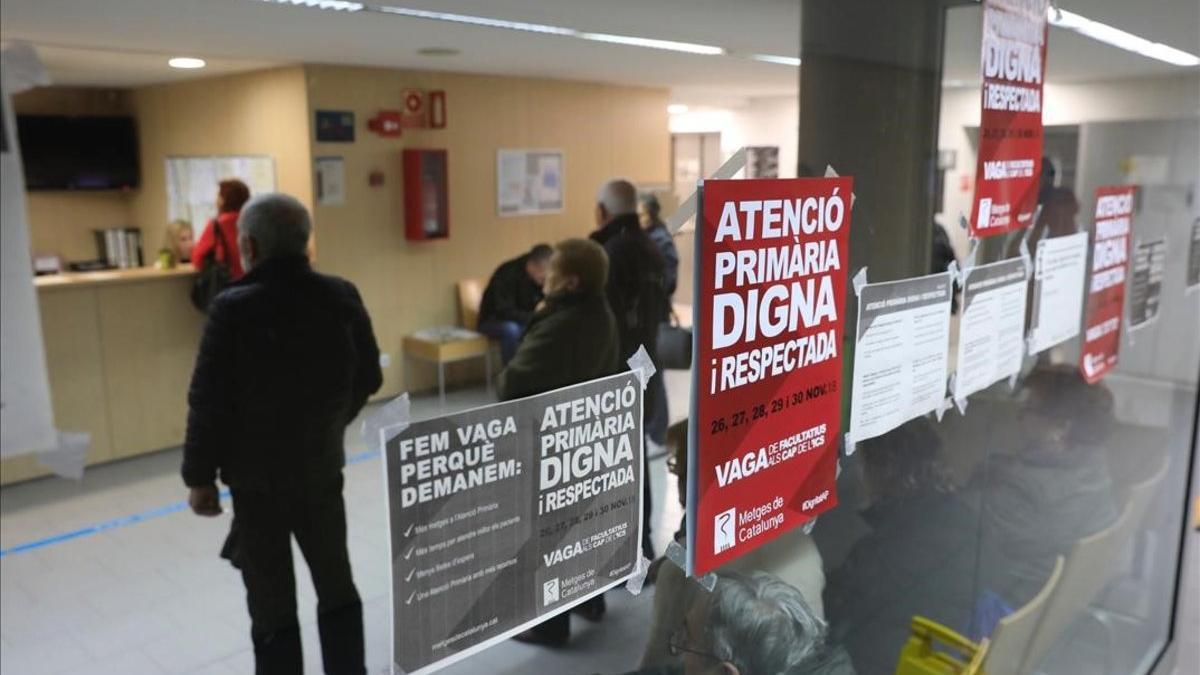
(387, 422)
(641, 364)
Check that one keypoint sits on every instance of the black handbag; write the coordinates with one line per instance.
(214, 275)
(674, 345)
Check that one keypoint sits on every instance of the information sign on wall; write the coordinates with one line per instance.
(1145, 285)
(506, 514)
(1106, 290)
(1010, 131)
(770, 288)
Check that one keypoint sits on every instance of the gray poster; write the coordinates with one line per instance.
(1145, 283)
(1193, 259)
(509, 513)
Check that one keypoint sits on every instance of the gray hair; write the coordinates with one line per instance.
(278, 223)
(618, 197)
(761, 624)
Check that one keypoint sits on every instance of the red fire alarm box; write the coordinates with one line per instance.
(426, 195)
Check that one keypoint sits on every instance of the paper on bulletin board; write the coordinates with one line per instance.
(192, 183)
(529, 182)
(331, 181)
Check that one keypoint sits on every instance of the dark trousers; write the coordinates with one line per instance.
(260, 545)
(507, 332)
(657, 414)
(558, 627)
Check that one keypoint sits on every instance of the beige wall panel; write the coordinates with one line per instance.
(604, 131)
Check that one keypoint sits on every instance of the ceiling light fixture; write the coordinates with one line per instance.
(186, 63)
(669, 45)
(486, 22)
(781, 60)
(676, 109)
(475, 20)
(1116, 37)
(335, 5)
(438, 51)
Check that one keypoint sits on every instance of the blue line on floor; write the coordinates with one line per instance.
(133, 519)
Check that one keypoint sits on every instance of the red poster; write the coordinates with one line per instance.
(766, 402)
(1106, 292)
(1010, 124)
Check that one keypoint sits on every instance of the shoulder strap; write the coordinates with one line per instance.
(220, 236)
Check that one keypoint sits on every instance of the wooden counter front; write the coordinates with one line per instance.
(120, 346)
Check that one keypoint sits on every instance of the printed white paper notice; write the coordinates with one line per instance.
(1058, 275)
(991, 332)
(901, 356)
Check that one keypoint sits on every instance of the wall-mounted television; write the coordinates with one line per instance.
(62, 152)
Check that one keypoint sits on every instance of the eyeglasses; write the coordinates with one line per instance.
(677, 645)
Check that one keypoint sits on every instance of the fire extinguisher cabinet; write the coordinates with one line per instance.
(426, 197)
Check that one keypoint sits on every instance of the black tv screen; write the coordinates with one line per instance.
(78, 153)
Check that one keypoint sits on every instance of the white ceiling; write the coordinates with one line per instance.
(126, 42)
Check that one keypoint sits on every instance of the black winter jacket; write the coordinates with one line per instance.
(287, 360)
(636, 288)
(571, 339)
(510, 295)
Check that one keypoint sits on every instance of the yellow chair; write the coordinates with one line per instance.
(933, 649)
(1011, 638)
(470, 296)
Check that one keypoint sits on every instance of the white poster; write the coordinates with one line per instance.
(529, 182)
(902, 353)
(192, 184)
(26, 417)
(991, 330)
(1058, 280)
(331, 181)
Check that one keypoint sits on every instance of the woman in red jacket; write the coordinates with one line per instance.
(231, 195)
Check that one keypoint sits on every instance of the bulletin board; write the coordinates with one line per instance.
(192, 183)
(529, 182)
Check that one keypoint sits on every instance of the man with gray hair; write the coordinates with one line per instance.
(636, 293)
(287, 360)
(755, 624)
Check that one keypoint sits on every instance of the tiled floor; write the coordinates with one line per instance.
(151, 596)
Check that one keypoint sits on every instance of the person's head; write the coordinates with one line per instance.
(232, 195)
(273, 225)
(1060, 411)
(577, 266)
(179, 239)
(648, 210)
(537, 262)
(617, 197)
(904, 462)
(751, 624)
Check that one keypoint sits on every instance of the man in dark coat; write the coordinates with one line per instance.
(572, 338)
(649, 213)
(287, 360)
(513, 292)
(636, 293)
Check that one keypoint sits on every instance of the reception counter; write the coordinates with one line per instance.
(120, 346)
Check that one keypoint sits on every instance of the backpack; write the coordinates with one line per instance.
(214, 275)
